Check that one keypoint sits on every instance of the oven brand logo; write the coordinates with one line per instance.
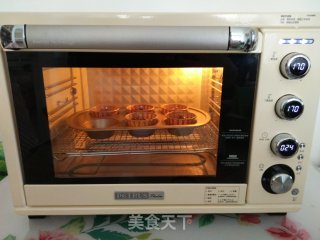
(139, 195)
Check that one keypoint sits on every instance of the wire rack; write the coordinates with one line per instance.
(77, 143)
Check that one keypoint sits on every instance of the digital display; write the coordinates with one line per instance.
(288, 147)
(293, 109)
(296, 41)
(299, 66)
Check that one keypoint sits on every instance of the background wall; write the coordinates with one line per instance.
(3, 169)
(123, 6)
(315, 153)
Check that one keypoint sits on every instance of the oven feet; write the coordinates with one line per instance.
(277, 214)
(36, 216)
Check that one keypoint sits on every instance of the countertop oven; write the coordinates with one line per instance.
(133, 118)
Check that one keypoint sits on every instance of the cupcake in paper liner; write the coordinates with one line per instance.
(180, 118)
(140, 120)
(103, 111)
(170, 107)
(140, 108)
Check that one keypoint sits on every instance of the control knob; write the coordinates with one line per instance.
(278, 179)
(289, 107)
(295, 65)
(284, 145)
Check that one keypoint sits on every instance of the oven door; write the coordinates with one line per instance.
(134, 113)
(111, 118)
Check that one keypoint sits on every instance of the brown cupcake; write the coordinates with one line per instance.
(141, 119)
(170, 107)
(140, 108)
(103, 111)
(180, 118)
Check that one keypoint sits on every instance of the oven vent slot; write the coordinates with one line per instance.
(128, 38)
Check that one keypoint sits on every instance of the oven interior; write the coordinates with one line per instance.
(133, 122)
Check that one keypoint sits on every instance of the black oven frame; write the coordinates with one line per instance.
(28, 97)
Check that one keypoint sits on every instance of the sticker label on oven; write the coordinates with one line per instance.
(222, 195)
(159, 195)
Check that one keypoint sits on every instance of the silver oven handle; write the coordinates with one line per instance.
(128, 37)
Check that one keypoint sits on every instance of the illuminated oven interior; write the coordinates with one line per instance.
(133, 122)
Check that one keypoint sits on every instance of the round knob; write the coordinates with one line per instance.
(278, 179)
(289, 107)
(295, 65)
(281, 183)
(284, 145)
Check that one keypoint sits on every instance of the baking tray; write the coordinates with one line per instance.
(105, 126)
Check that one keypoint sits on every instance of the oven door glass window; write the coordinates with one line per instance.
(140, 117)
(110, 122)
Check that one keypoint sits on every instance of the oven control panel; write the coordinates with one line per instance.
(285, 116)
(284, 145)
(289, 107)
(295, 65)
(278, 179)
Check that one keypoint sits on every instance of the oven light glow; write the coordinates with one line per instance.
(192, 71)
(296, 41)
